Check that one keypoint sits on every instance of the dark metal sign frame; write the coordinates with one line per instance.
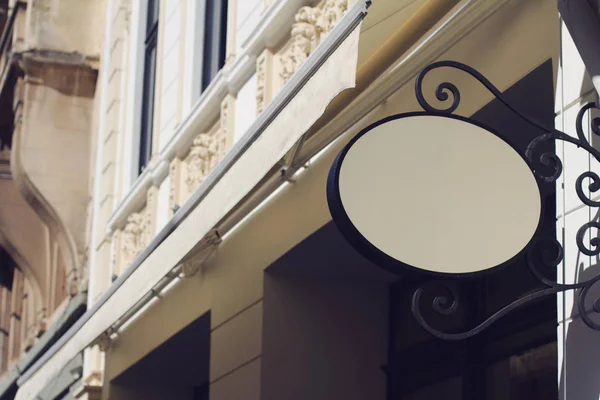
(543, 253)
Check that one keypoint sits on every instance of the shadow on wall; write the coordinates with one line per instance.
(579, 372)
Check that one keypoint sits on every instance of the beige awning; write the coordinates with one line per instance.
(320, 79)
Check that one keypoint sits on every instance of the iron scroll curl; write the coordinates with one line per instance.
(544, 254)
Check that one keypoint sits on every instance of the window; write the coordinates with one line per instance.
(150, 49)
(215, 39)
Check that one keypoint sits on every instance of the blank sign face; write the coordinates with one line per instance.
(436, 193)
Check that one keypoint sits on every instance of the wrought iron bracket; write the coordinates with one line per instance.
(545, 252)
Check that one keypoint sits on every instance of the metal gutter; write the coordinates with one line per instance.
(337, 36)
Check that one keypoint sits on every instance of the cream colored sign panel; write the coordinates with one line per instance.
(436, 193)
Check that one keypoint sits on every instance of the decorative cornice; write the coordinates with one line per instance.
(31, 59)
(311, 27)
(271, 29)
(132, 238)
(202, 152)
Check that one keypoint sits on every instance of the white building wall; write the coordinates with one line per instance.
(248, 17)
(134, 96)
(192, 55)
(170, 60)
(577, 344)
(245, 108)
(92, 360)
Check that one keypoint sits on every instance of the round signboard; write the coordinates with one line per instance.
(441, 194)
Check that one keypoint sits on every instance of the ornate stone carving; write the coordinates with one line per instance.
(224, 114)
(77, 278)
(200, 160)
(304, 41)
(116, 255)
(174, 179)
(105, 342)
(220, 140)
(94, 378)
(264, 80)
(331, 12)
(149, 228)
(261, 83)
(126, 6)
(73, 282)
(35, 330)
(205, 153)
(311, 26)
(132, 238)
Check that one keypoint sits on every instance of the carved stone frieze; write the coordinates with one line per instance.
(116, 254)
(132, 237)
(200, 160)
(174, 185)
(304, 41)
(35, 330)
(331, 12)
(126, 6)
(207, 150)
(225, 128)
(264, 77)
(311, 27)
(261, 81)
(105, 342)
(149, 214)
(77, 278)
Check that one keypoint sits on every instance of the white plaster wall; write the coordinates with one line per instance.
(170, 69)
(192, 57)
(91, 360)
(245, 108)
(134, 96)
(248, 16)
(578, 373)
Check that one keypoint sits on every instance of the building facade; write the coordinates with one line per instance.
(48, 91)
(164, 226)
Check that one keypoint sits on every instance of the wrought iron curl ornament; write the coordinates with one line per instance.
(545, 254)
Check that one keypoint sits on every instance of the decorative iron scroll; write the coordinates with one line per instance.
(544, 253)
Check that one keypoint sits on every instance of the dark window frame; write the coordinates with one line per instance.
(149, 85)
(215, 40)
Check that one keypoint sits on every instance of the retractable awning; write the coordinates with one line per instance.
(267, 141)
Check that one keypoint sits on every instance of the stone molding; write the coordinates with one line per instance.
(132, 240)
(200, 159)
(311, 27)
(264, 80)
(206, 151)
(174, 187)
